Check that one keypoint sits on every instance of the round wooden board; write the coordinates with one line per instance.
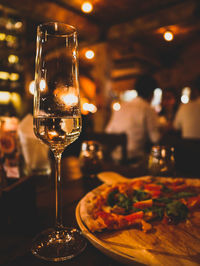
(104, 246)
(165, 245)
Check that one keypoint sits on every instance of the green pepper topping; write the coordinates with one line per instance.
(176, 211)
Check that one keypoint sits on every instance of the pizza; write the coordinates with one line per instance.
(140, 203)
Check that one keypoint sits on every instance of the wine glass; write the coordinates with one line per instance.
(57, 122)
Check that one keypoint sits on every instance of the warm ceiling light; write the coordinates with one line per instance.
(4, 97)
(18, 24)
(2, 36)
(14, 76)
(86, 7)
(168, 36)
(13, 59)
(16, 100)
(10, 38)
(89, 54)
(4, 75)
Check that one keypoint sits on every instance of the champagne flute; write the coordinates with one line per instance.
(57, 122)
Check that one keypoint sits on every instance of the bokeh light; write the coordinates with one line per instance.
(168, 36)
(87, 7)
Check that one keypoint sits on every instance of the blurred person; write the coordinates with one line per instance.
(137, 119)
(187, 118)
(168, 105)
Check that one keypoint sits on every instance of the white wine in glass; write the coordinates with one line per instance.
(57, 122)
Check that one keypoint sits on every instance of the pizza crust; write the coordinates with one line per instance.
(86, 212)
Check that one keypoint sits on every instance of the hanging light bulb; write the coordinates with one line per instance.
(168, 36)
(13, 59)
(87, 7)
(89, 54)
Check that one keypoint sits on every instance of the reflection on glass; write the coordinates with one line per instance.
(91, 158)
(161, 161)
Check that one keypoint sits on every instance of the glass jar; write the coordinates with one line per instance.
(161, 161)
(91, 158)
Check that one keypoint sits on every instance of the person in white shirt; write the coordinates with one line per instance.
(187, 122)
(187, 118)
(137, 119)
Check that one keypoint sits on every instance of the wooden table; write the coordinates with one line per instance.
(33, 212)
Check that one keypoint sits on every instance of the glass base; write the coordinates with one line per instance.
(58, 245)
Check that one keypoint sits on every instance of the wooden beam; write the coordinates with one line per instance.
(43, 11)
(147, 23)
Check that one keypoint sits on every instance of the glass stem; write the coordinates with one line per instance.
(58, 191)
